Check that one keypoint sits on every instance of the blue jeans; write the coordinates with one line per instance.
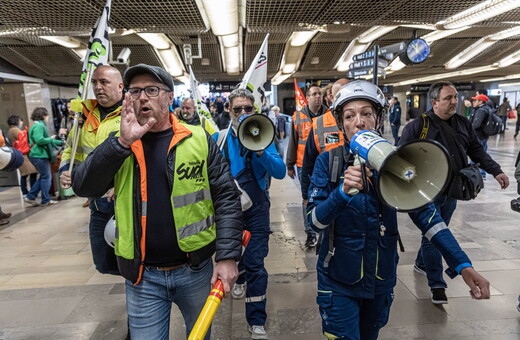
(504, 123)
(345, 317)
(149, 302)
(44, 181)
(101, 211)
(428, 256)
(485, 145)
(23, 182)
(307, 226)
(395, 132)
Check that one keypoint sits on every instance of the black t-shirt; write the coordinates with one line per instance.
(162, 248)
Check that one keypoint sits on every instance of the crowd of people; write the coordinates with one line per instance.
(183, 187)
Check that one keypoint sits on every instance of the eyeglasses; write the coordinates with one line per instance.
(151, 91)
(247, 109)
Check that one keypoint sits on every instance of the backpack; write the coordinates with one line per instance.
(493, 124)
(22, 143)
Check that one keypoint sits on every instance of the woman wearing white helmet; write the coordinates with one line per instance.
(358, 257)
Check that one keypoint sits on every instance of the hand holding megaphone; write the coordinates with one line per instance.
(353, 178)
(409, 176)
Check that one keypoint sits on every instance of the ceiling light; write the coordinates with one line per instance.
(441, 34)
(448, 75)
(511, 76)
(505, 34)
(185, 78)
(64, 41)
(289, 68)
(80, 52)
(205, 62)
(396, 65)
(483, 11)
(222, 15)
(279, 78)
(158, 40)
(510, 59)
(352, 49)
(170, 59)
(301, 38)
(375, 32)
(508, 84)
(230, 40)
(469, 53)
(232, 60)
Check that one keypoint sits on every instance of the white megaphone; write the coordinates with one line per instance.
(255, 132)
(411, 175)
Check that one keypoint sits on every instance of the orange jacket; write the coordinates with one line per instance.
(302, 126)
(327, 135)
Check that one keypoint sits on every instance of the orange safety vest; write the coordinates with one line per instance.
(302, 125)
(327, 135)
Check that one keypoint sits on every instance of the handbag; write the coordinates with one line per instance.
(466, 184)
(511, 114)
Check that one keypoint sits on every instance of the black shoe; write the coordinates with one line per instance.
(419, 269)
(439, 296)
(311, 241)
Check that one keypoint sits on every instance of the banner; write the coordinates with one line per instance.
(256, 76)
(97, 50)
(299, 97)
(200, 105)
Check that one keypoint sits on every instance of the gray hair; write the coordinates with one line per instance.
(241, 93)
(435, 89)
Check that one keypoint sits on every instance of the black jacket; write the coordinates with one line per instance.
(478, 118)
(94, 176)
(466, 144)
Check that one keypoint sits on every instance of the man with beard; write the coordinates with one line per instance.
(176, 204)
(190, 116)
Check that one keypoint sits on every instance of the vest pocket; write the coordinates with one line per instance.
(346, 265)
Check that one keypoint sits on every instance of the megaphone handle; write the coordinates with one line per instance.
(355, 191)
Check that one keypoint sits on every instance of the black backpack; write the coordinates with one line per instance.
(493, 124)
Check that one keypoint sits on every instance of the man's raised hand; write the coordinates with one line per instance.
(130, 129)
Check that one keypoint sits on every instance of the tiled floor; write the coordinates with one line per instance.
(50, 290)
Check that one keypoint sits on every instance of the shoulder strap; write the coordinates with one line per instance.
(426, 126)
(445, 127)
(336, 159)
(221, 138)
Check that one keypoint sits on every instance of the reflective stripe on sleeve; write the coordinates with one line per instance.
(315, 220)
(434, 230)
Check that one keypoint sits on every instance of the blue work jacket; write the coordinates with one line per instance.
(364, 260)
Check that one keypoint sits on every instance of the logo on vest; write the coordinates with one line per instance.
(192, 170)
(331, 137)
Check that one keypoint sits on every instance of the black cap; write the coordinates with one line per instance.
(158, 72)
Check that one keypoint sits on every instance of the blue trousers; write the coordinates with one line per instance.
(44, 181)
(345, 317)
(428, 256)
(101, 211)
(149, 303)
(307, 226)
(251, 267)
(395, 132)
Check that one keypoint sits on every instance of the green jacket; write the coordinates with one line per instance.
(39, 140)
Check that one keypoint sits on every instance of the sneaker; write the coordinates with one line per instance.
(51, 202)
(31, 202)
(419, 269)
(238, 291)
(439, 296)
(4, 222)
(5, 216)
(311, 241)
(258, 332)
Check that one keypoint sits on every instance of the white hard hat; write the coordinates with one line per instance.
(110, 231)
(359, 90)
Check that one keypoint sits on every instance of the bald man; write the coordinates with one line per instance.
(101, 116)
(324, 136)
(190, 116)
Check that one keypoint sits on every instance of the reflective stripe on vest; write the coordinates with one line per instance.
(303, 125)
(192, 206)
(325, 126)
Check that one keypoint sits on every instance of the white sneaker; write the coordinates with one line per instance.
(258, 332)
(31, 202)
(238, 291)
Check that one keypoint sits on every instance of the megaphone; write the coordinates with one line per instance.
(411, 175)
(255, 132)
(10, 158)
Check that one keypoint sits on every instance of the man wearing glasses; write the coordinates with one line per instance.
(250, 170)
(176, 205)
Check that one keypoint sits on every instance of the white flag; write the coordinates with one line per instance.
(256, 76)
(200, 105)
(97, 50)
